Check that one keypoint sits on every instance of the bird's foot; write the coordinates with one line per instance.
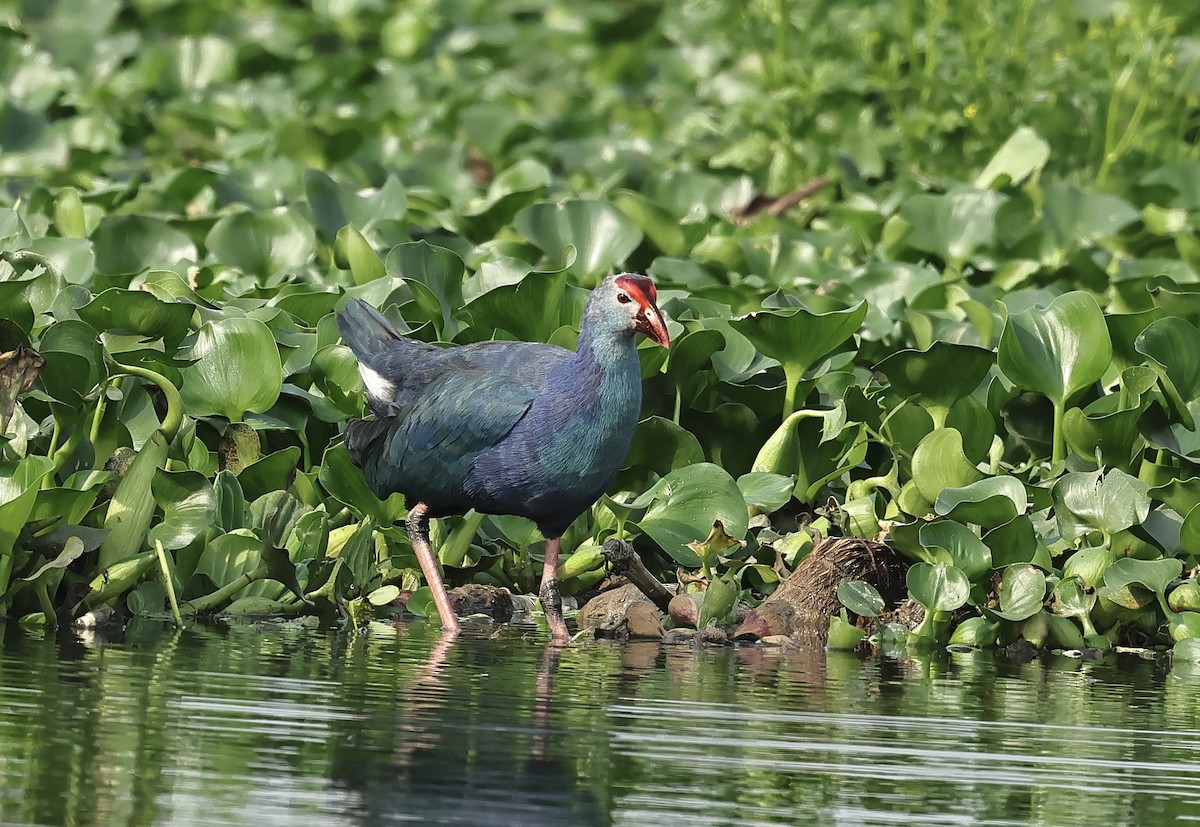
(551, 600)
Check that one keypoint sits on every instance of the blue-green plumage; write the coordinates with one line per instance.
(518, 428)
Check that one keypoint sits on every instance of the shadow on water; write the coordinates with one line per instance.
(281, 723)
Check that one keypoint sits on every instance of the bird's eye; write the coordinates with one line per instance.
(623, 299)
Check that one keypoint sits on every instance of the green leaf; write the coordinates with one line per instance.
(127, 244)
(436, 276)
(1022, 592)
(262, 243)
(1153, 575)
(860, 597)
(1057, 351)
(138, 312)
(975, 632)
(1025, 153)
(237, 370)
(188, 503)
(765, 491)
(354, 253)
(989, 502)
(1173, 347)
(938, 587)
(938, 377)
(798, 338)
(939, 463)
(1074, 217)
(954, 225)
(344, 481)
(19, 483)
(959, 546)
(842, 636)
(683, 505)
(1107, 502)
(661, 446)
(602, 235)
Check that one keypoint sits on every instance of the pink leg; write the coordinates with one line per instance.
(549, 595)
(417, 524)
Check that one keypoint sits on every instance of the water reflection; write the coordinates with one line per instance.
(282, 723)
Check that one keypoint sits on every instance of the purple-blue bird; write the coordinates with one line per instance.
(521, 428)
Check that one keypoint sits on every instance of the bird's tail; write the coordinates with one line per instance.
(365, 329)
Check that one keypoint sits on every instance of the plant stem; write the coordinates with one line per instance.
(1060, 442)
(792, 375)
(212, 602)
(174, 418)
(168, 582)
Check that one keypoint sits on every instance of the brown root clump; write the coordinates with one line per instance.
(803, 604)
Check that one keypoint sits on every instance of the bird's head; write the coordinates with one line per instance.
(630, 300)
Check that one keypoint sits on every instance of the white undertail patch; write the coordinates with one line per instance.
(377, 387)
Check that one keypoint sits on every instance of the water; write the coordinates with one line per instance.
(277, 724)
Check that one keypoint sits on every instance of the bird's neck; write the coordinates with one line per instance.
(608, 349)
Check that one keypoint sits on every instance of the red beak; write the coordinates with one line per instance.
(650, 322)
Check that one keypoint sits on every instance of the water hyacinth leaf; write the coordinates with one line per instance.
(19, 483)
(231, 510)
(842, 635)
(344, 481)
(953, 225)
(1073, 598)
(74, 361)
(1153, 575)
(1025, 153)
(188, 503)
(1111, 437)
(273, 472)
(237, 370)
(72, 550)
(662, 229)
(720, 598)
(954, 543)
(351, 251)
(262, 243)
(766, 492)
(229, 556)
(138, 312)
(127, 244)
(938, 587)
(531, 309)
(603, 236)
(975, 632)
(860, 597)
(717, 543)
(939, 463)
(358, 553)
(662, 446)
(798, 338)
(682, 506)
(989, 502)
(1089, 565)
(333, 205)
(1099, 501)
(132, 505)
(1022, 592)
(1074, 217)
(439, 271)
(1057, 351)
(1124, 329)
(1173, 347)
(938, 377)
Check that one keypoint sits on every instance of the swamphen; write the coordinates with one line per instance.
(518, 428)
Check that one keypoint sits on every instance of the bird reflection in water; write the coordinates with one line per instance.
(452, 761)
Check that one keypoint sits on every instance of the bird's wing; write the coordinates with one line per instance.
(425, 446)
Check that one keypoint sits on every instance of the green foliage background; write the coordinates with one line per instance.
(975, 338)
